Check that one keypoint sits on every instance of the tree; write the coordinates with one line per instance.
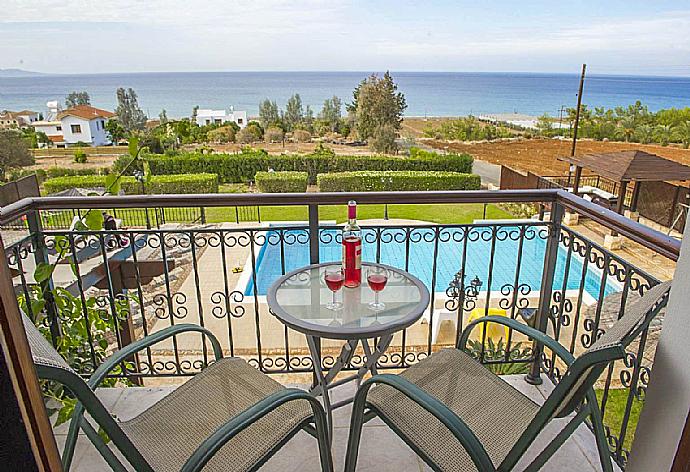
(115, 130)
(269, 115)
(294, 113)
(77, 98)
(682, 133)
(274, 135)
(222, 135)
(131, 117)
(14, 151)
(644, 134)
(331, 113)
(545, 125)
(195, 110)
(163, 116)
(663, 133)
(377, 110)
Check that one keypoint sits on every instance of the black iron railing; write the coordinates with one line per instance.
(139, 280)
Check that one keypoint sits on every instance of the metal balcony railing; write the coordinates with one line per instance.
(124, 284)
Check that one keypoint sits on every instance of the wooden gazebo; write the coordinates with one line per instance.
(625, 167)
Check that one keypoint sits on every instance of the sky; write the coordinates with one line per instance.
(90, 36)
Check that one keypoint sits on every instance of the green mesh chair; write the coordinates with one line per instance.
(459, 416)
(229, 417)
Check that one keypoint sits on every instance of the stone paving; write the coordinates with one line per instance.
(380, 451)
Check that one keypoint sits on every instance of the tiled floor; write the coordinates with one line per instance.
(380, 449)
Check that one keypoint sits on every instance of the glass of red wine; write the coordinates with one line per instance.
(377, 277)
(334, 278)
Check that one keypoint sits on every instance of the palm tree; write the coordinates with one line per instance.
(644, 134)
(682, 133)
(626, 128)
(663, 134)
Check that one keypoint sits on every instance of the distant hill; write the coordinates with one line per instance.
(18, 73)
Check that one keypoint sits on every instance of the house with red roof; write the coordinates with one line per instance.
(80, 124)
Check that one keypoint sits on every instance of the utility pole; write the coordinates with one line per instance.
(578, 169)
(560, 118)
(577, 110)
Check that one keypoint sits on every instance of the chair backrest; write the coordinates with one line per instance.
(587, 368)
(43, 353)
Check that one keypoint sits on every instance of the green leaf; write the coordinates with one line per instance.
(112, 184)
(43, 272)
(147, 172)
(133, 146)
(94, 220)
(66, 411)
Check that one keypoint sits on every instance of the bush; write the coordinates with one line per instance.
(248, 135)
(80, 156)
(243, 167)
(301, 136)
(367, 181)
(159, 185)
(222, 135)
(52, 172)
(274, 135)
(123, 161)
(281, 182)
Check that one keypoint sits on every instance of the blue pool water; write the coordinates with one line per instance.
(449, 259)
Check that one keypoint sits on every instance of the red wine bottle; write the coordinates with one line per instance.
(352, 248)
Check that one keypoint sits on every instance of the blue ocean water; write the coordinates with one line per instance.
(427, 93)
(449, 259)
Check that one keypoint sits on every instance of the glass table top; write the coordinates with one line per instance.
(300, 298)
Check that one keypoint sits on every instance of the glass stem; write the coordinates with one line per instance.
(376, 298)
(333, 298)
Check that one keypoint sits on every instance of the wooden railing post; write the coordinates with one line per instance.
(550, 258)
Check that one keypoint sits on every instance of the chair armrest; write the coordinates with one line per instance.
(445, 415)
(533, 333)
(211, 445)
(131, 349)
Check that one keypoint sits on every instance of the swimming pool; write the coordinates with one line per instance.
(449, 258)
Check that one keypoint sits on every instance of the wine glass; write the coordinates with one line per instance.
(377, 277)
(334, 278)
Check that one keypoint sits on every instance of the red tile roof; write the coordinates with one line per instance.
(57, 138)
(87, 112)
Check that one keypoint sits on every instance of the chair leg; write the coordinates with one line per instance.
(599, 433)
(324, 442)
(557, 442)
(356, 424)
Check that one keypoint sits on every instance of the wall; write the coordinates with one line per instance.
(72, 138)
(99, 136)
(514, 180)
(668, 396)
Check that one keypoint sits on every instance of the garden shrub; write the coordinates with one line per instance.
(301, 136)
(222, 135)
(242, 167)
(281, 182)
(80, 156)
(274, 135)
(159, 184)
(368, 181)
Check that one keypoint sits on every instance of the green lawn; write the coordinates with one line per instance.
(615, 410)
(446, 213)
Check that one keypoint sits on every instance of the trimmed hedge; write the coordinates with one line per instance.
(159, 185)
(281, 182)
(367, 181)
(243, 167)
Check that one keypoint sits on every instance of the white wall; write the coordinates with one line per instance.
(99, 135)
(72, 137)
(49, 129)
(668, 396)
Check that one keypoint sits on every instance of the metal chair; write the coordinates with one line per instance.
(458, 416)
(229, 417)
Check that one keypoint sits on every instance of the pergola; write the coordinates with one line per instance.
(628, 166)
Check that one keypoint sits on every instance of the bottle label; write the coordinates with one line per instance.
(352, 261)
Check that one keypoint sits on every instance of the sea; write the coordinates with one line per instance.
(426, 93)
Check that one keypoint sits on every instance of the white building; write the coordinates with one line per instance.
(17, 119)
(209, 117)
(82, 123)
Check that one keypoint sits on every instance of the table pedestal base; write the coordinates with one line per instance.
(324, 383)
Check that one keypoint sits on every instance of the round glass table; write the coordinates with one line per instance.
(300, 298)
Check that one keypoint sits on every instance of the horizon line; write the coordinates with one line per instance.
(393, 71)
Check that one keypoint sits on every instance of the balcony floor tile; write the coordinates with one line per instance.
(381, 449)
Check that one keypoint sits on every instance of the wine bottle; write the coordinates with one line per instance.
(352, 248)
